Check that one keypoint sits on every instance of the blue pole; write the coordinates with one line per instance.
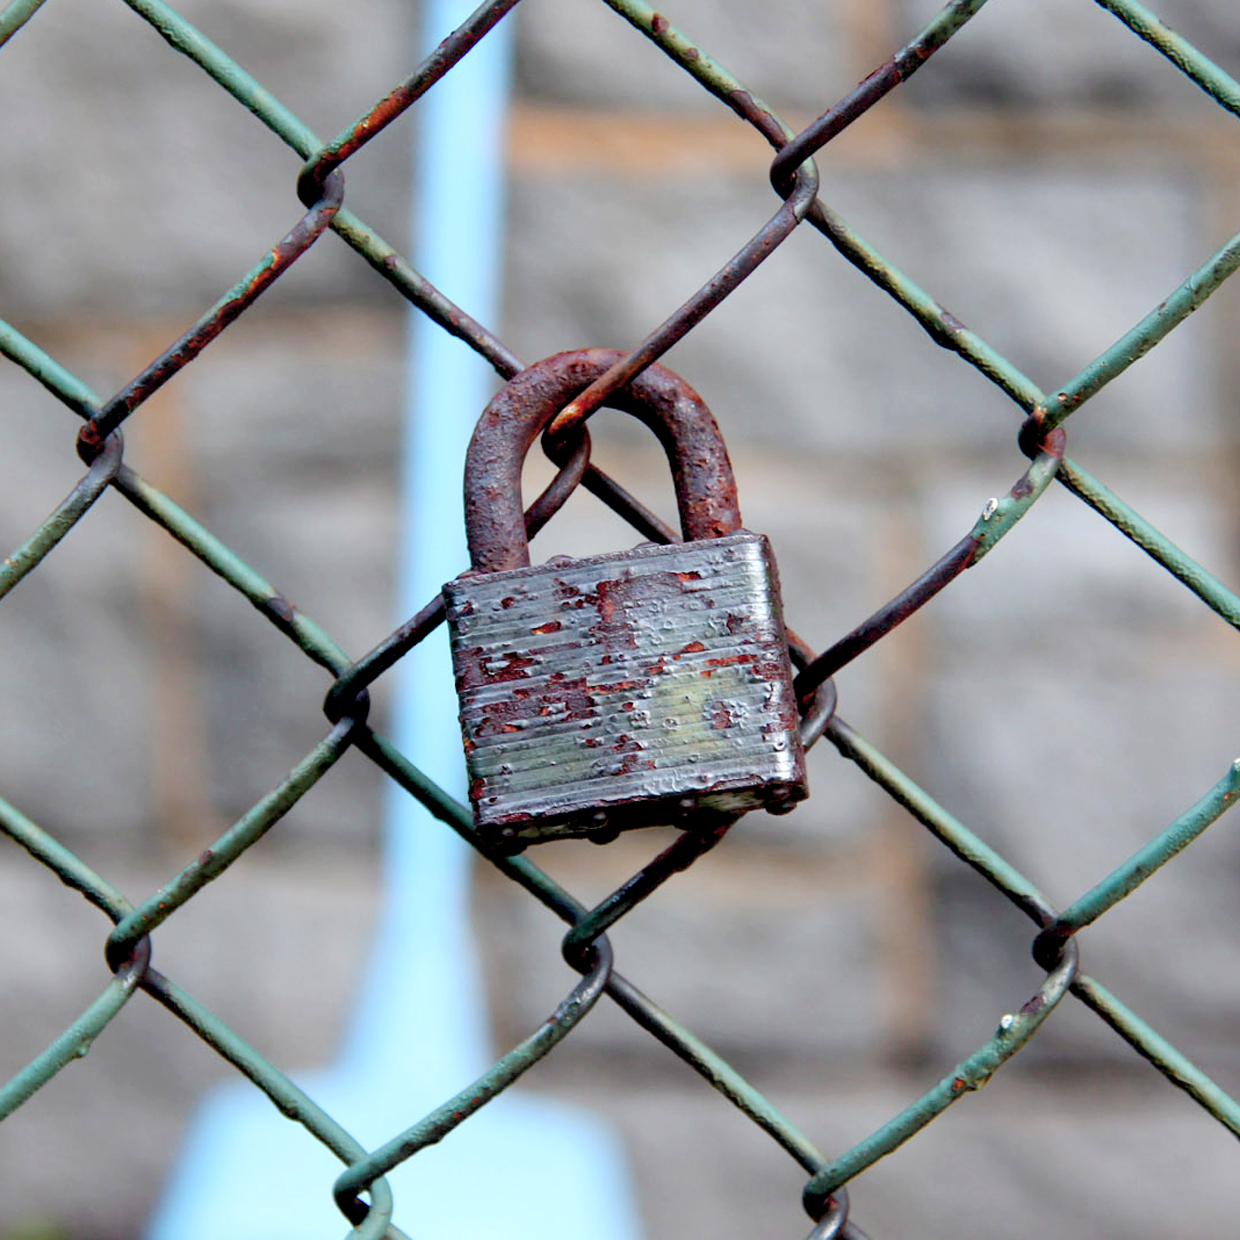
(523, 1166)
(458, 222)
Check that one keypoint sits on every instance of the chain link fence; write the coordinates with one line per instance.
(1041, 432)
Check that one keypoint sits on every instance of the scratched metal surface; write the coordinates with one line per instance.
(626, 689)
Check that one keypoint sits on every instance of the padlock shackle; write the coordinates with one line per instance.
(701, 471)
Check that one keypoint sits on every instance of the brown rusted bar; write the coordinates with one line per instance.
(706, 492)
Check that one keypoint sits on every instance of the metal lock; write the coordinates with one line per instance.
(627, 689)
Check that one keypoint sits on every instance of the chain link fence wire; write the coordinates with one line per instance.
(1041, 432)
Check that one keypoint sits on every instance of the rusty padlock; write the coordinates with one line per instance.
(627, 689)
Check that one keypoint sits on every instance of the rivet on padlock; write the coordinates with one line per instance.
(627, 689)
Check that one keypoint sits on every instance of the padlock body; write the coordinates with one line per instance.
(625, 690)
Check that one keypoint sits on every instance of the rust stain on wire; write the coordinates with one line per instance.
(568, 391)
(282, 256)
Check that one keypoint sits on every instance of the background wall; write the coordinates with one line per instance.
(1049, 179)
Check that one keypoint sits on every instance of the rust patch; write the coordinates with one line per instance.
(280, 610)
(623, 600)
(952, 324)
(620, 686)
(481, 669)
(729, 659)
(741, 102)
(497, 718)
(768, 669)
(577, 702)
(513, 667)
(552, 626)
(630, 763)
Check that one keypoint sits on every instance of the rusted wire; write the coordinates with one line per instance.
(225, 311)
(570, 390)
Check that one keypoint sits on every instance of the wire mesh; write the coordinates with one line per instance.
(360, 1191)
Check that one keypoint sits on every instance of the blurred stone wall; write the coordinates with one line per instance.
(1049, 179)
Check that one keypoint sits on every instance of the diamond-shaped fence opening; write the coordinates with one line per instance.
(945, 319)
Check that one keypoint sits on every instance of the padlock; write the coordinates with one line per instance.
(628, 689)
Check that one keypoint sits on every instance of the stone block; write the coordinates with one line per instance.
(585, 54)
(1036, 259)
(317, 393)
(1066, 53)
(240, 947)
(797, 939)
(141, 187)
(86, 620)
(1065, 1153)
(1066, 783)
(1076, 699)
(74, 753)
(1067, 582)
